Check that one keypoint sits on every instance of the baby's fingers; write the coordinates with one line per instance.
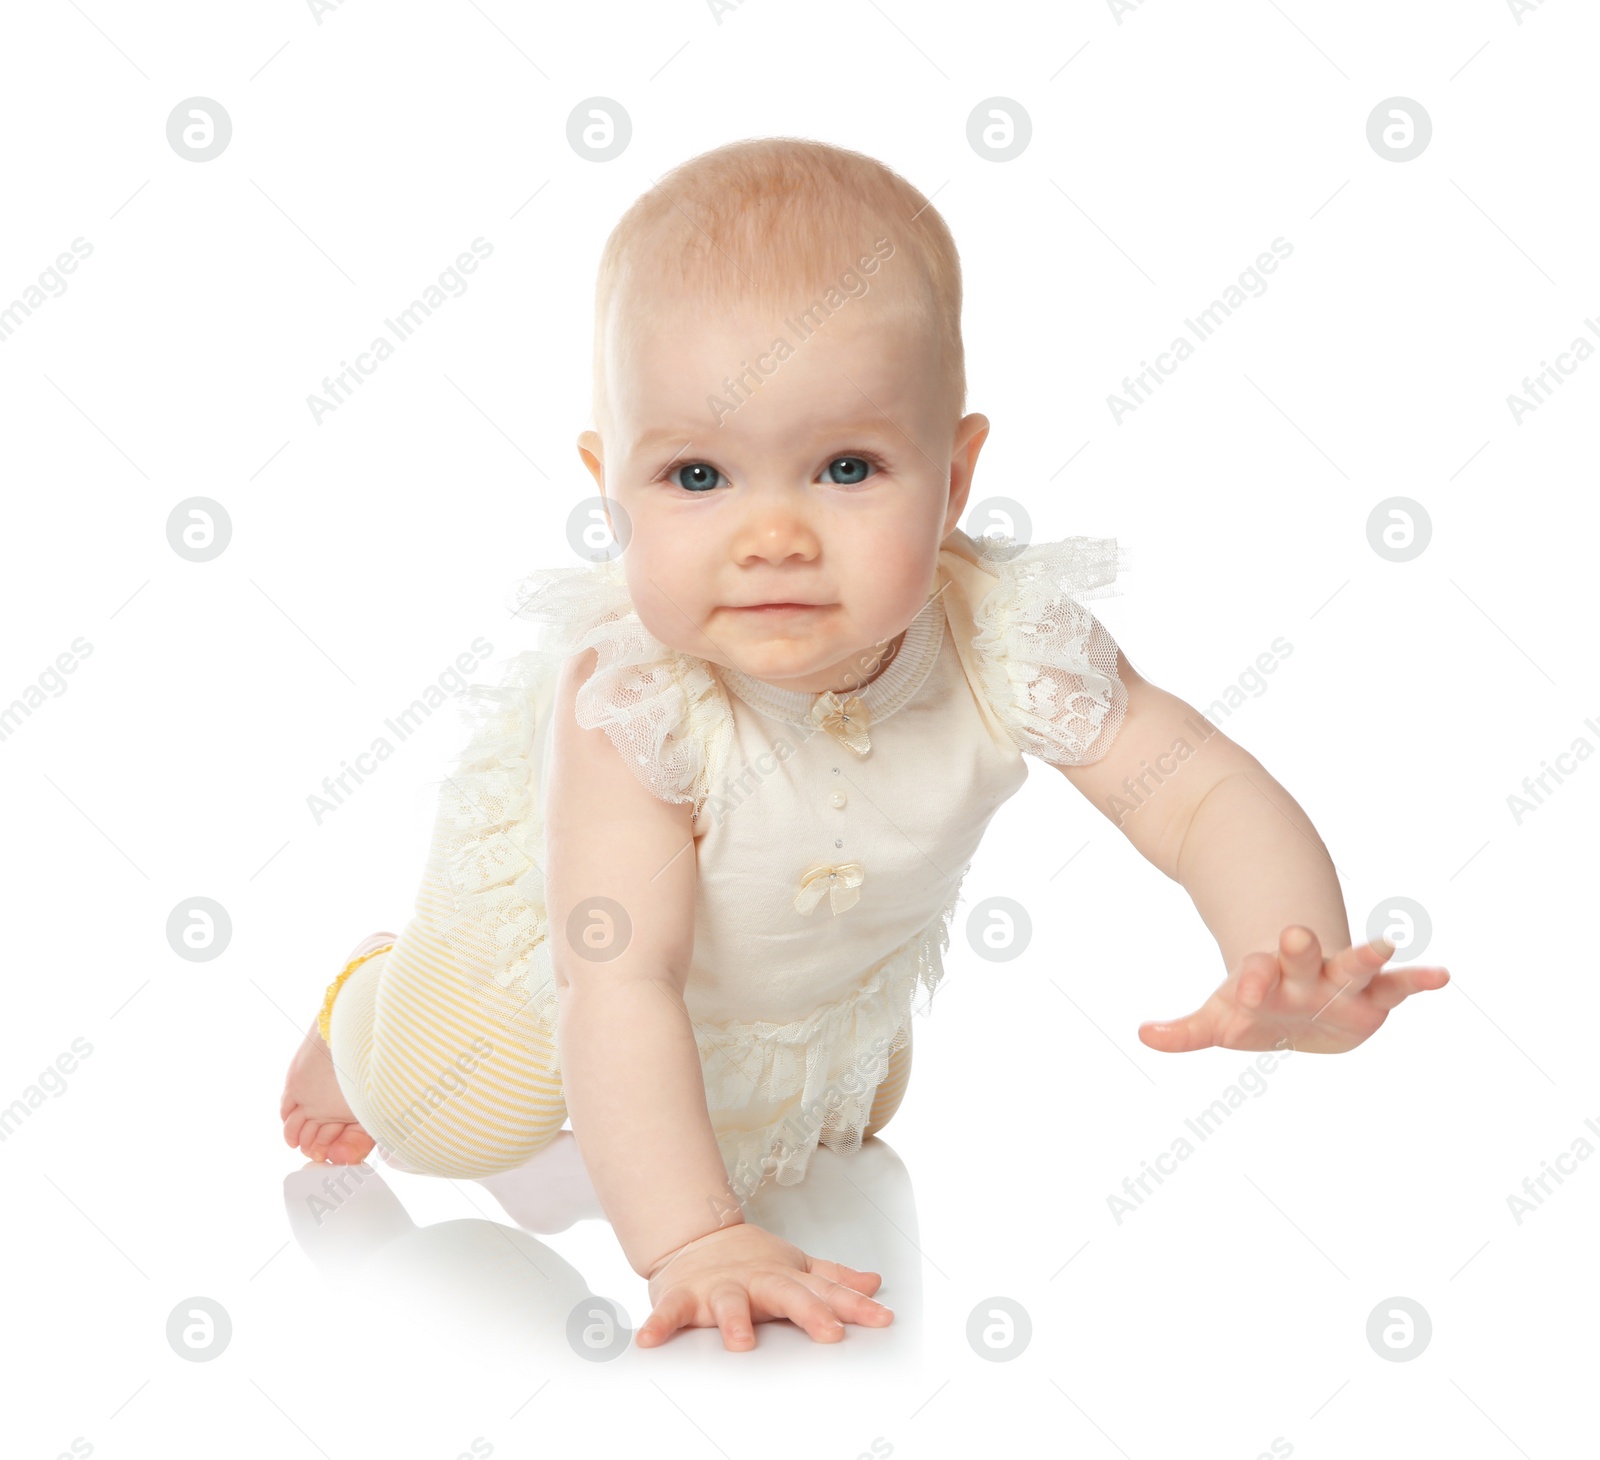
(1299, 955)
(852, 1277)
(730, 1306)
(788, 1297)
(1259, 975)
(1390, 989)
(674, 1311)
(1355, 966)
(1179, 1036)
(848, 1304)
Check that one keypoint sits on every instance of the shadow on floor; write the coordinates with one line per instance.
(491, 1284)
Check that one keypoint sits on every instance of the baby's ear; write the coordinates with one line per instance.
(971, 432)
(592, 449)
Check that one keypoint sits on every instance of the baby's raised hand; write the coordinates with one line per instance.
(743, 1274)
(1317, 1005)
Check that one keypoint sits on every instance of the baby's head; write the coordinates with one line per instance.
(779, 391)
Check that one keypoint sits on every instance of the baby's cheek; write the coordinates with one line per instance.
(675, 612)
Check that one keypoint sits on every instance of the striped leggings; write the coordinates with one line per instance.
(452, 1075)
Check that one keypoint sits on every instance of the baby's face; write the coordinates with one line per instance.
(830, 487)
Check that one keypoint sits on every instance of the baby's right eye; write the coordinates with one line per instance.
(701, 477)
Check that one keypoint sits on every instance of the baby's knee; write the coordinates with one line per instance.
(465, 1124)
(416, 1140)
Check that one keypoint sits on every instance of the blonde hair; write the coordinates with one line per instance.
(776, 221)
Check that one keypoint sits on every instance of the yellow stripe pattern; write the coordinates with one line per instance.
(451, 1074)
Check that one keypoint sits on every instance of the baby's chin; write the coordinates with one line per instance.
(807, 666)
(780, 661)
(809, 652)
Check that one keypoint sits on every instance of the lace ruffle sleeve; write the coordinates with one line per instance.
(665, 711)
(1046, 664)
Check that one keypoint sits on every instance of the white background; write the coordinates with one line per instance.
(1168, 149)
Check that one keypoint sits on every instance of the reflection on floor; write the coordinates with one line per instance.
(488, 1283)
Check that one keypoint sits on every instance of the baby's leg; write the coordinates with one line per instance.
(449, 1073)
(892, 1090)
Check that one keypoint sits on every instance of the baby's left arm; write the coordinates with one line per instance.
(1207, 813)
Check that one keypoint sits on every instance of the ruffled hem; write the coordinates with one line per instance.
(831, 1063)
(489, 842)
(1046, 663)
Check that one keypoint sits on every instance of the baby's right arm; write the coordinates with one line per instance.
(630, 1065)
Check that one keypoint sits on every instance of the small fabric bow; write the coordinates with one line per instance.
(846, 720)
(840, 883)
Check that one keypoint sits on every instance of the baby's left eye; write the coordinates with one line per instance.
(847, 471)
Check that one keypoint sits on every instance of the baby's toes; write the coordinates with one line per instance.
(318, 1136)
(294, 1122)
(352, 1146)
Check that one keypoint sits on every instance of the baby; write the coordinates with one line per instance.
(707, 839)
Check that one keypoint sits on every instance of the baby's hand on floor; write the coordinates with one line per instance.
(1296, 999)
(742, 1275)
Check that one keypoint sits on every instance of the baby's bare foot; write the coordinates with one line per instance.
(316, 1116)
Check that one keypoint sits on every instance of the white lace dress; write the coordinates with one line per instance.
(832, 836)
